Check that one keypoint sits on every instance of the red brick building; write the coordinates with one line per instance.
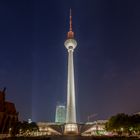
(8, 114)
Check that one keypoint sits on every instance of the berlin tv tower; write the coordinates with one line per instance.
(70, 44)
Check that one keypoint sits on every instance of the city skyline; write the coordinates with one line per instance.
(34, 61)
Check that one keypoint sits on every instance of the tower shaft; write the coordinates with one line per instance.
(71, 110)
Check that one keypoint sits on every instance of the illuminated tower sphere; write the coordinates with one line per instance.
(70, 44)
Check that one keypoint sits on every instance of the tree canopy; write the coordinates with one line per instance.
(124, 124)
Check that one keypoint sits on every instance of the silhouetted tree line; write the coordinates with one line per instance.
(24, 128)
(124, 124)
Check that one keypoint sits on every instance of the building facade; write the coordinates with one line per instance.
(8, 114)
(60, 115)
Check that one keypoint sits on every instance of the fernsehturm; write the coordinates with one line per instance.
(70, 44)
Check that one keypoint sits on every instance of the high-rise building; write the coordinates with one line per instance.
(70, 44)
(60, 115)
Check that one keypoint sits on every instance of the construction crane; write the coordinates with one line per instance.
(91, 116)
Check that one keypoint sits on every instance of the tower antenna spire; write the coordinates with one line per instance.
(70, 34)
(70, 20)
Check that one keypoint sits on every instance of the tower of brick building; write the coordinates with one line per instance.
(8, 113)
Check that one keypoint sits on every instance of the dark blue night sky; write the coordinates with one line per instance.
(33, 59)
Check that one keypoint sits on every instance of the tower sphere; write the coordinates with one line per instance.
(70, 44)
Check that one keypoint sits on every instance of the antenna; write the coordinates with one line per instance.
(70, 20)
(70, 34)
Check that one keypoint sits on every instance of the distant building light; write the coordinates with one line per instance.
(29, 121)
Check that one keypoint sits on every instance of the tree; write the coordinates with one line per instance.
(24, 128)
(124, 124)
